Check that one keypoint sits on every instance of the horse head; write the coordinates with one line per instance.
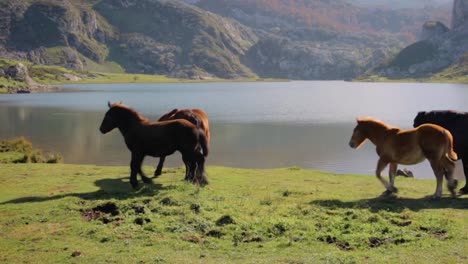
(110, 120)
(359, 136)
(420, 119)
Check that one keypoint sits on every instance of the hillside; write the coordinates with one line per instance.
(293, 39)
(89, 214)
(399, 4)
(86, 36)
(440, 56)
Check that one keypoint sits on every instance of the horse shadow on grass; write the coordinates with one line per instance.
(395, 204)
(119, 189)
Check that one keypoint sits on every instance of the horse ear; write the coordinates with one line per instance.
(109, 104)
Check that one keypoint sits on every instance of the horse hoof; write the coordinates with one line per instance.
(157, 173)
(463, 191)
(394, 190)
(386, 193)
(435, 197)
(147, 180)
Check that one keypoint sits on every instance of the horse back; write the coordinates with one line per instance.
(196, 116)
(454, 121)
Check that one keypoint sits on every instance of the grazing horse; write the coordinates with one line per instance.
(457, 124)
(396, 146)
(196, 116)
(158, 139)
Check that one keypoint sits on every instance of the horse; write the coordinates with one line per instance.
(457, 124)
(157, 139)
(396, 146)
(196, 116)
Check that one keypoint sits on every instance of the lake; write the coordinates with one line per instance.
(254, 125)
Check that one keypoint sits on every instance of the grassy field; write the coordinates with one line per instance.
(56, 213)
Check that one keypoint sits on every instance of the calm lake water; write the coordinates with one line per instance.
(254, 125)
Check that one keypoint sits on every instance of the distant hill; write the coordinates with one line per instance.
(399, 4)
(294, 39)
(321, 39)
(155, 37)
(443, 54)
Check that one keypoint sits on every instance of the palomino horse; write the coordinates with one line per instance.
(158, 139)
(196, 116)
(457, 124)
(396, 146)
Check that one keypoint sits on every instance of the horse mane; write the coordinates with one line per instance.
(132, 111)
(371, 120)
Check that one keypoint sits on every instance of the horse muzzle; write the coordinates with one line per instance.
(352, 145)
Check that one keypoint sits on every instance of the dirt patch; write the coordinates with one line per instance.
(90, 215)
(168, 201)
(108, 208)
(376, 242)
(400, 223)
(141, 221)
(101, 212)
(225, 220)
(344, 245)
(195, 208)
(139, 209)
(214, 233)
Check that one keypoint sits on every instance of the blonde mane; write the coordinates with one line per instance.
(374, 121)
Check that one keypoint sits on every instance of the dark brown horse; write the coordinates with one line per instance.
(157, 139)
(396, 146)
(457, 124)
(196, 116)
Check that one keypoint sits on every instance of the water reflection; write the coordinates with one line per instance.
(254, 125)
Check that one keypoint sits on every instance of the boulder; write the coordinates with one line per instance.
(459, 13)
(18, 72)
(433, 29)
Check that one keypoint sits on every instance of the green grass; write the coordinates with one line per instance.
(89, 214)
(20, 150)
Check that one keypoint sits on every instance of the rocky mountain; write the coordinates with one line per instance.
(296, 39)
(144, 36)
(443, 51)
(321, 39)
(399, 4)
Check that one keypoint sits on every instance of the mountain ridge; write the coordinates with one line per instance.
(182, 40)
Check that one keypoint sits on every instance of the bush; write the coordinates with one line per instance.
(21, 150)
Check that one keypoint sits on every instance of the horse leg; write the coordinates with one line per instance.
(144, 178)
(188, 176)
(392, 174)
(158, 170)
(200, 172)
(135, 167)
(439, 174)
(380, 167)
(464, 190)
(449, 168)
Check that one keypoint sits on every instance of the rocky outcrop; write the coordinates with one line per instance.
(460, 13)
(433, 29)
(430, 56)
(19, 72)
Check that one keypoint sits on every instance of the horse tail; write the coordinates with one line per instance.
(167, 116)
(203, 142)
(450, 153)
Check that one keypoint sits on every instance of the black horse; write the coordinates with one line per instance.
(457, 124)
(157, 139)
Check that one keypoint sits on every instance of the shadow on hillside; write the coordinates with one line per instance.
(108, 189)
(396, 204)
